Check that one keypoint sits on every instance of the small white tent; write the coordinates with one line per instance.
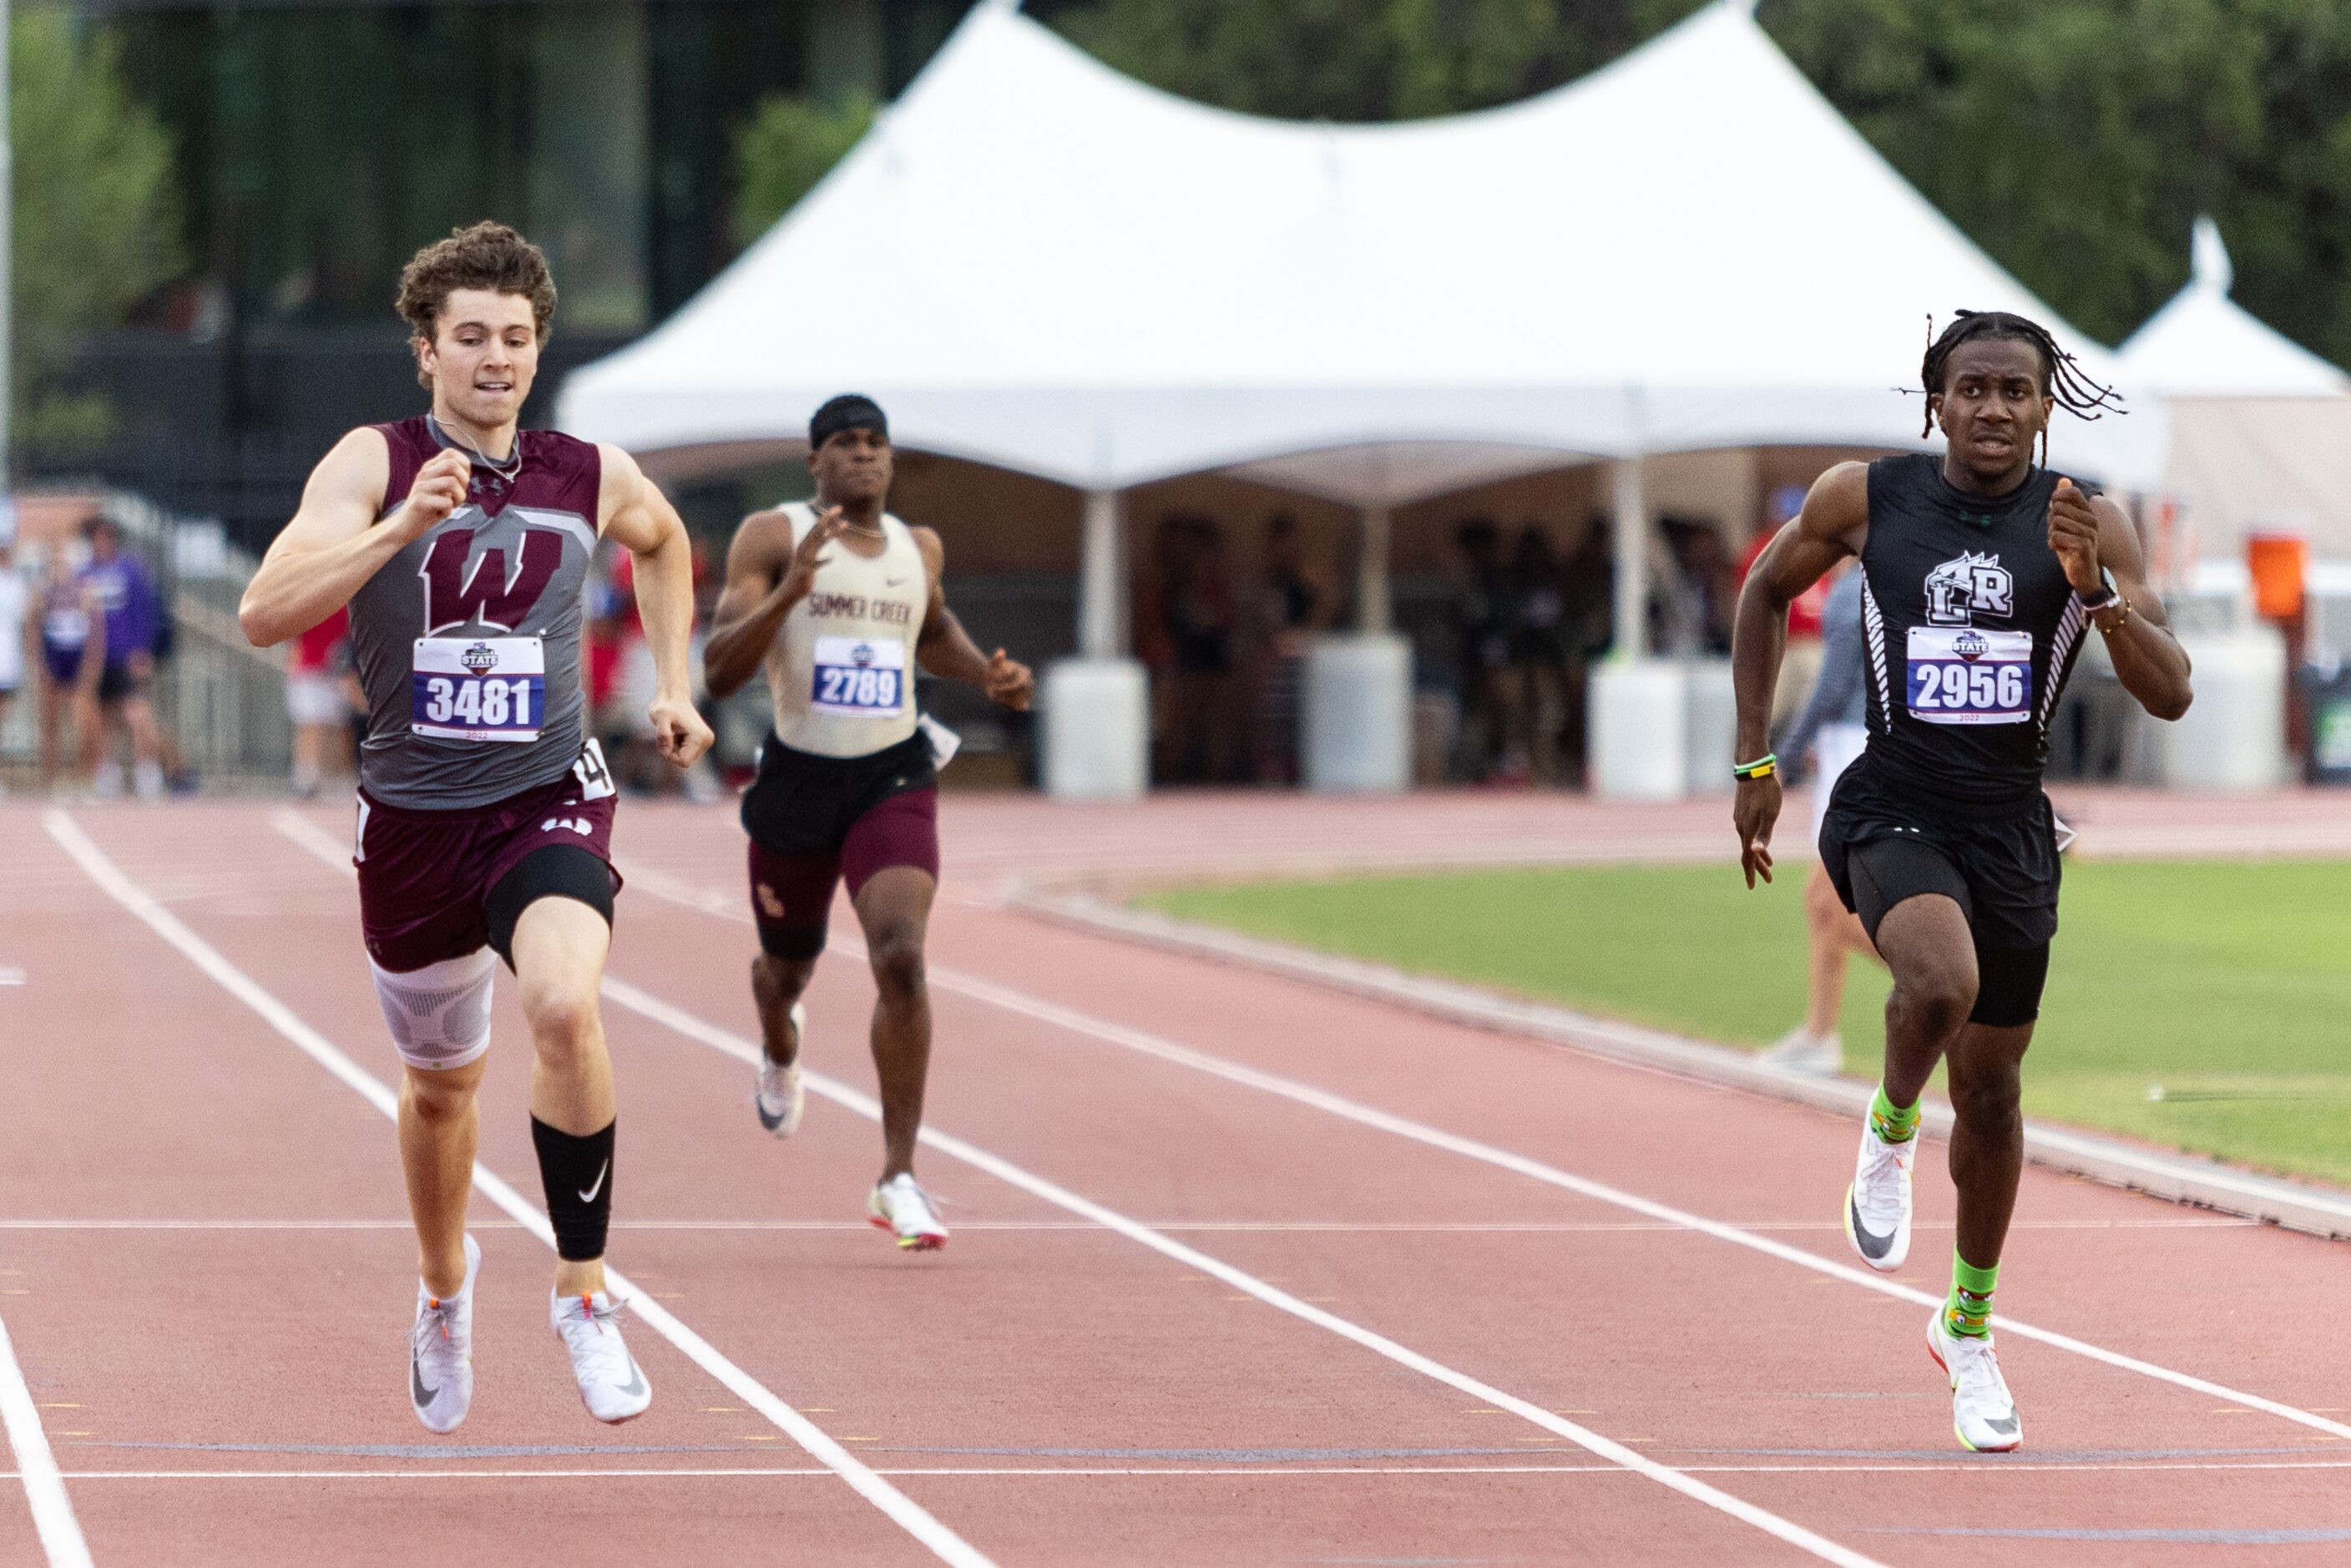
(2260, 427)
(1037, 262)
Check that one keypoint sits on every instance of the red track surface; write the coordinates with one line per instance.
(204, 1269)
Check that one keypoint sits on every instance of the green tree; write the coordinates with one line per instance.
(789, 144)
(96, 217)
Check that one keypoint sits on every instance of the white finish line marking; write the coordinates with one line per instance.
(743, 1051)
(943, 1542)
(1151, 1045)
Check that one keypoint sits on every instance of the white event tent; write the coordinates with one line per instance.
(1036, 262)
(2260, 427)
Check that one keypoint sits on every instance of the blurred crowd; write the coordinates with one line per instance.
(84, 637)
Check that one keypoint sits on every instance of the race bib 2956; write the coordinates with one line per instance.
(478, 688)
(857, 678)
(1960, 675)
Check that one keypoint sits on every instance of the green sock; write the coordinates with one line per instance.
(1894, 1123)
(1968, 1310)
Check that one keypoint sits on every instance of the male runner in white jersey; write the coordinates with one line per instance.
(1982, 572)
(462, 544)
(840, 601)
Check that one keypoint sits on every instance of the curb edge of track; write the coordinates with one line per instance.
(2204, 1184)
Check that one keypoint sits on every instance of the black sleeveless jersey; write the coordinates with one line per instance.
(1971, 629)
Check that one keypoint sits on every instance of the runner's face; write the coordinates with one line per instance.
(853, 468)
(1992, 408)
(483, 357)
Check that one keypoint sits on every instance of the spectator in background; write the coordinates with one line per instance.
(1802, 665)
(16, 636)
(1698, 592)
(1830, 734)
(1481, 601)
(1204, 726)
(315, 700)
(1589, 629)
(1298, 600)
(118, 580)
(73, 655)
(1538, 642)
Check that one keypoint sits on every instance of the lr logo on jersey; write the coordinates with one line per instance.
(1958, 589)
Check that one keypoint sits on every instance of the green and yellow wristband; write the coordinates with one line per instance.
(1762, 766)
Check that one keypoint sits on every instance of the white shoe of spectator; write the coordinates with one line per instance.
(1801, 1051)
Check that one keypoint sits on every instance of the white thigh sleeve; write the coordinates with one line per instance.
(439, 1015)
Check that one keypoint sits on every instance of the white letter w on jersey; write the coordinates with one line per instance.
(1956, 589)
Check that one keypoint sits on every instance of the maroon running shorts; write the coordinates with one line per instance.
(424, 876)
(791, 894)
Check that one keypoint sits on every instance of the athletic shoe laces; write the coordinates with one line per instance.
(1977, 1371)
(1877, 1189)
(433, 1339)
(594, 1343)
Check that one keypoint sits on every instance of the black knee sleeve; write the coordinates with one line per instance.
(558, 871)
(2009, 981)
(578, 1175)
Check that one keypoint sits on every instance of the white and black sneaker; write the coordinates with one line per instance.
(611, 1385)
(776, 1092)
(1877, 1204)
(903, 1208)
(441, 1352)
(1983, 1412)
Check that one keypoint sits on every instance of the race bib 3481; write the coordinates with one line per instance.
(478, 688)
(857, 678)
(1960, 675)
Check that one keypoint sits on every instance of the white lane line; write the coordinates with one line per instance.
(36, 1467)
(745, 1051)
(1080, 1227)
(1180, 1472)
(1166, 1049)
(943, 1542)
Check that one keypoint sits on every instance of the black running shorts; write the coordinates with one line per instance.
(1883, 844)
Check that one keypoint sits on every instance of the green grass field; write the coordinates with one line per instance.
(2227, 984)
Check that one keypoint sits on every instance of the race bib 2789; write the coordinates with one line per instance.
(857, 678)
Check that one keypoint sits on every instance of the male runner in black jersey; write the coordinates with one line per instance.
(1982, 572)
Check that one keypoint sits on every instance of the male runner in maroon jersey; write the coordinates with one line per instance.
(462, 545)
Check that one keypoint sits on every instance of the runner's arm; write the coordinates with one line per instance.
(639, 518)
(2149, 660)
(946, 649)
(336, 542)
(760, 592)
(1833, 524)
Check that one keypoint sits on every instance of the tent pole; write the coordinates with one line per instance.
(1101, 579)
(1372, 611)
(1630, 526)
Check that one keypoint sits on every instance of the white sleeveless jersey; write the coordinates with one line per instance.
(841, 669)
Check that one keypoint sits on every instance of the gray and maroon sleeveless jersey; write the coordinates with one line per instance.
(467, 642)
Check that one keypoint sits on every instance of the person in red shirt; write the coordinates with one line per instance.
(315, 700)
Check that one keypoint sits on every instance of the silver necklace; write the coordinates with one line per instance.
(501, 470)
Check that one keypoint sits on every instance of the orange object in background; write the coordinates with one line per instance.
(2279, 563)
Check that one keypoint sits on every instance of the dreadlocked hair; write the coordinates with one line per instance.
(2062, 378)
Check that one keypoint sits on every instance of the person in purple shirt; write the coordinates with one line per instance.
(118, 582)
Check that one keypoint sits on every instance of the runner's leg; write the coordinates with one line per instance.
(1987, 1134)
(777, 987)
(440, 1124)
(895, 908)
(559, 958)
(1926, 943)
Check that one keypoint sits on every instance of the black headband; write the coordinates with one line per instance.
(850, 410)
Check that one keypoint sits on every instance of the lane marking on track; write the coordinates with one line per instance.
(1180, 1472)
(1080, 1227)
(696, 1028)
(1151, 1045)
(902, 1510)
(37, 1467)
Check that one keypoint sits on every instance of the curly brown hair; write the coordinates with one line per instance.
(490, 255)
